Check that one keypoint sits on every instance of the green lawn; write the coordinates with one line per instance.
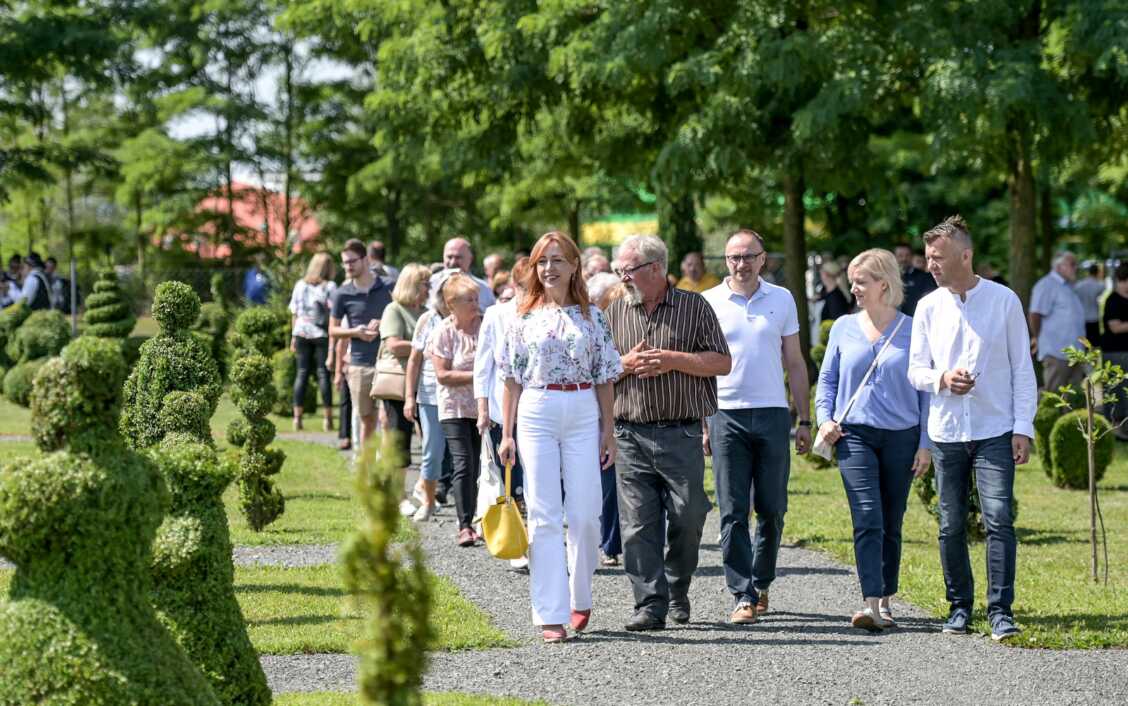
(429, 699)
(1056, 604)
(14, 419)
(294, 611)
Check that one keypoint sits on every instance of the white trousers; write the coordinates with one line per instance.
(558, 439)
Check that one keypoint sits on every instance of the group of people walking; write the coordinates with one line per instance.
(578, 377)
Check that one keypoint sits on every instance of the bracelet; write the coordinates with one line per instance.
(804, 422)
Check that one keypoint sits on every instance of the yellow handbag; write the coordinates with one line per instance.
(503, 527)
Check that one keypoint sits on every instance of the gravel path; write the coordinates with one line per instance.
(802, 652)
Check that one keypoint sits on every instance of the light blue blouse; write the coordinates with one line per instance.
(889, 400)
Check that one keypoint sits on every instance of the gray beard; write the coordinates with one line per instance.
(633, 296)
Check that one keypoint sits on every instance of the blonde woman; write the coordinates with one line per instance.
(883, 441)
(560, 366)
(397, 326)
(310, 303)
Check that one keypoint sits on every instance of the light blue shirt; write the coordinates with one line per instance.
(1063, 316)
(889, 400)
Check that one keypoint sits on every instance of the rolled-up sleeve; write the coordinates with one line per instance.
(922, 375)
(826, 391)
(1025, 394)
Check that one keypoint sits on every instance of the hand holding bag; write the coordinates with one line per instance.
(503, 527)
(390, 381)
(824, 448)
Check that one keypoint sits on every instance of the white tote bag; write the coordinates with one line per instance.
(824, 448)
(491, 482)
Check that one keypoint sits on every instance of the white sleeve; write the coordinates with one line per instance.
(484, 356)
(922, 375)
(1023, 383)
(30, 287)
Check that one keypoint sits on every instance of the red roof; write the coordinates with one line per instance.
(258, 215)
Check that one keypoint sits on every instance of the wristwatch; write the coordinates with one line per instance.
(804, 422)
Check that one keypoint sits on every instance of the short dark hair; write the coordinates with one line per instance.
(355, 246)
(34, 259)
(15, 258)
(1122, 272)
(52, 261)
(376, 250)
(1095, 268)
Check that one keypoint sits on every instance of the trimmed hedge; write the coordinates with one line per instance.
(1071, 453)
(79, 524)
(42, 335)
(1047, 413)
(10, 319)
(18, 381)
(258, 329)
(253, 395)
(170, 361)
(108, 315)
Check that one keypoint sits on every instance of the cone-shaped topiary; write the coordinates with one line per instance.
(194, 577)
(1070, 451)
(390, 585)
(79, 524)
(108, 315)
(926, 492)
(172, 360)
(253, 395)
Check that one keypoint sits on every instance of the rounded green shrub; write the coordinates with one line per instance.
(262, 503)
(79, 524)
(1047, 413)
(42, 335)
(108, 315)
(131, 349)
(258, 329)
(18, 382)
(170, 361)
(285, 364)
(10, 319)
(1070, 451)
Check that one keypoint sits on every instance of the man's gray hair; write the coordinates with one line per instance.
(1061, 256)
(650, 248)
(954, 228)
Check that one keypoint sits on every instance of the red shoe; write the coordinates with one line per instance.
(580, 619)
(465, 537)
(477, 537)
(553, 633)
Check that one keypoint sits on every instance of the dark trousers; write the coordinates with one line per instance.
(393, 409)
(344, 426)
(465, 451)
(610, 538)
(751, 463)
(1093, 332)
(446, 479)
(877, 471)
(311, 354)
(662, 505)
(517, 474)
(993, 462)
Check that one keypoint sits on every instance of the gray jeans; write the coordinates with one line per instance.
(662, 506)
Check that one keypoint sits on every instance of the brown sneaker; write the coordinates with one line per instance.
(743, 614)
(762, 603)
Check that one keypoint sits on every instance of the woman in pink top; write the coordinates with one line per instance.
(453, 345)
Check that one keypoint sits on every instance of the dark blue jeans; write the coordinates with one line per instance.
(993, 462)
(877, 471)
(610, 538)
(752, 464)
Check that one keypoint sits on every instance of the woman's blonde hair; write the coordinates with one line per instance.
(321, 269)
(881, 265)
(457, 286)
(410, 283)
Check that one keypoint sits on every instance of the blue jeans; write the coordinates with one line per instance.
(993, 462)
(877, 471)
(610, 537)
(433, 442)
(751, 457)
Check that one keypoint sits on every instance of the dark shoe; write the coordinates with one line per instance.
(744, 614)
(344, 444)
(1003, 628)
(957, 622)
(645, 621)
(679, 613)
(580, 619)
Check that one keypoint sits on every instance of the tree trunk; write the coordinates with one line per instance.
(574, 221)
(1023, 206)
(677, 223)
(795, 252)
(288, 156)
(1049, 237)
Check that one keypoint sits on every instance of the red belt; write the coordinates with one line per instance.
(570, 387)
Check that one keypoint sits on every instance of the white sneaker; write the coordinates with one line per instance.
(518, 564)
(407, 509)
(423, 514)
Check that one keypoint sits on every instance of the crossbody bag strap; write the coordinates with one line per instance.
(869, 371)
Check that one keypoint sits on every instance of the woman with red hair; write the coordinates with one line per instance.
(559, 365)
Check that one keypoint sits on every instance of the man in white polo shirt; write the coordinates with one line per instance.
(749, 435)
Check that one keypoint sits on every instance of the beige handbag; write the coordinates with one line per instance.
(390, 379)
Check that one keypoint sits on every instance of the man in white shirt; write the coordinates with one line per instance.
(750, 434)
(457, 253)
(971, 350)
(1057, 321)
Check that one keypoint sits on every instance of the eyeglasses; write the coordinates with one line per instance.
(735, 260)
(351, 261)
(621, 272)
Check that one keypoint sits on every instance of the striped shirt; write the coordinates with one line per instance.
(683, 321)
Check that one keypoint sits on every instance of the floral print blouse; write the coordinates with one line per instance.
(558, 345)
(307, 301)
(447, 341)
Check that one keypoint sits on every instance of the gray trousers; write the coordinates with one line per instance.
(662, 508)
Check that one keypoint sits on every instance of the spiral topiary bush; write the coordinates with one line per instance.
(79, 524)
(253, 395)
(172, 360)
(1070, 451)
(194, 577)
(108, 315)
(18, 381)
